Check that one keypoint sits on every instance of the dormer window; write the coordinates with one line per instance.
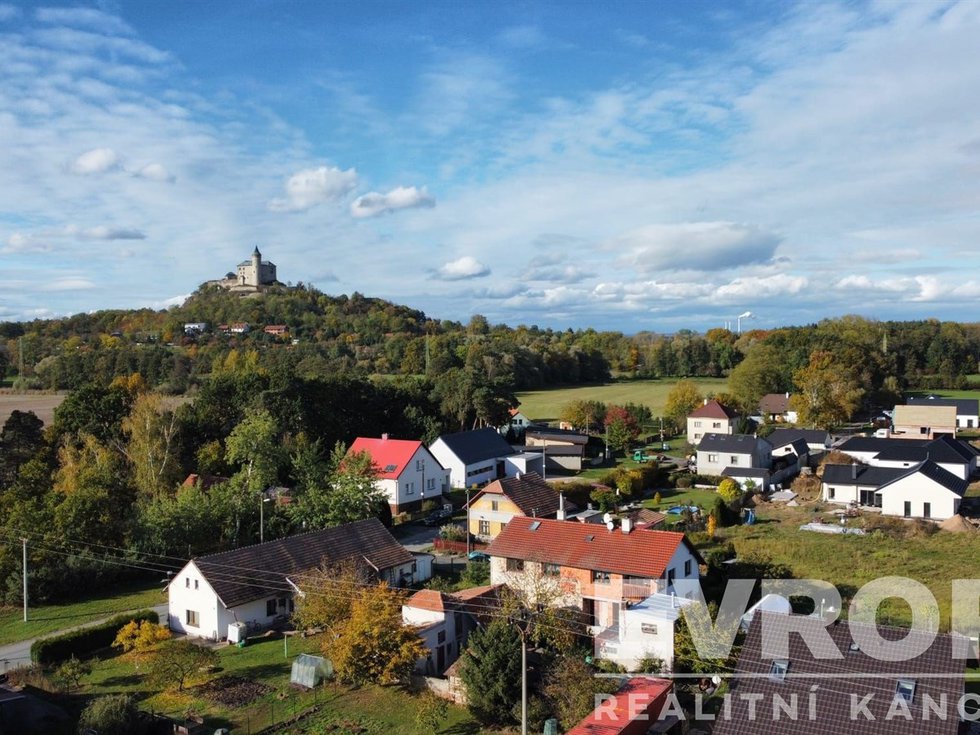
(905, 689)
(777, 672)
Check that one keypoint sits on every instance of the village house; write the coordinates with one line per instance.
(920, 421)
(817, 441)
(716, 452)
(408, 473)
(710, 418)
(256, 584)
(596, 569)
(953, 455)
(563, 449)
(925, 491)
(276, 330)
(518, 422)
(495, 505)
(837, 672)
(477, 457)
(775, 408)
(967, 409)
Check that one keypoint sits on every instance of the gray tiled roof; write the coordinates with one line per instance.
(253, 572)
(737, 443)
(477, 446)
(963, 406)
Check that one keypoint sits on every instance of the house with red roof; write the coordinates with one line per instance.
(408, 473)
(711, 418)
(638, 708)
(597, 569)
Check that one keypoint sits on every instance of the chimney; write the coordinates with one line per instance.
(517, 476)
(627, 525)
(705, 402)
(561, 515)
(384, 437)
(787, 394)
(854, 472)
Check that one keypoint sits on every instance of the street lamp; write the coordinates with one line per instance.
(265, 499)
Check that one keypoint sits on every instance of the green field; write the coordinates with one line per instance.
(545, 405)
(49, 618)
(375, 709)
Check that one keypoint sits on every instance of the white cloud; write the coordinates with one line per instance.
(765, 287)
(463, 268)
(313, 186)
(21, 243)
(402, 197)
(95, 161)
(84, 17)
(68, 283)
(155, 172)
(705, 246)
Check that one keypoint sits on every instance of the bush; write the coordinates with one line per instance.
(115, 714)
(429, 505)
(400, 518)
(452, 532)
(86, 641)
(684, 482)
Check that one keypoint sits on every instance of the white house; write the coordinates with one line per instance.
(473, 457)
(518, 422)
(710, 418)
(409, 474)
(645, 630)
(444, 622)
(716, 452)
(925, 490)
(256, 584)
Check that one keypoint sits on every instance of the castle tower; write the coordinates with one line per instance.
(256, 267)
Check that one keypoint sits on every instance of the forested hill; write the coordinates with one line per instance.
(369, 337)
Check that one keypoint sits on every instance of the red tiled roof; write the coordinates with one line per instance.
(432, 600)
(638, 703)
(641, 553)
(390, 455)
(713, 410)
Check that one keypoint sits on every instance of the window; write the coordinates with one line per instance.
(907, 510)
(670, 576)
(191, 618)
(494, 505)
(697, 424)
(419, 465)
(515, 565)
(905, 689)
(196, 582)
(648, 628)
(187, 582)
(716, 425)
(410, 488)
(687, 568)
(831, 493)
(712, 457)
(600, 577)
(430, 483)
(733, 459)
(270, 607)
(441, 636)
(867, 498)
(777, 672)
(415, 567)
(550, 570)
(484, 528)
(927, 510)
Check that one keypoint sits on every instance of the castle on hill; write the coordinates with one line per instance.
(252, 275)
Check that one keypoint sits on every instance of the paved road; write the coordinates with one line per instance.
(19, 654)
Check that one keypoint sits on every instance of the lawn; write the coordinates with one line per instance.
(49, 618)
(377, 709)
(545, 405)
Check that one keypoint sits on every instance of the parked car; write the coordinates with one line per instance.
(478, 556)
(437, 517)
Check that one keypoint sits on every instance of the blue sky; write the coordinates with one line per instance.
(625, 165)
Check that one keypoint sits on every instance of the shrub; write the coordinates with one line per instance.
(684, 482)
(85, 641)
(115, 714)
(429, 505)
(400, 518)
(657, 499)
(452, 532)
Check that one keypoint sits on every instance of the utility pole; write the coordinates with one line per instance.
(523, 622)
(24, 575)
(544, 460)
(467, 524)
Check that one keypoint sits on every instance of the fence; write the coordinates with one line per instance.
(457, 547)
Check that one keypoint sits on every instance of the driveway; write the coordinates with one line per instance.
(19, 654)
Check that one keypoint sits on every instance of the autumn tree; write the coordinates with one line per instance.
(151, 445)
(827, 394)
(571, 686)
(683, 398)
(140, 637)
(331, 591)
(176, 661)
(70, 672)
(761, 372)
(584, 415)
(621, 428)
(730, 492)
(371, 644)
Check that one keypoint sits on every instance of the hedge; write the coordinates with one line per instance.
(85, 641)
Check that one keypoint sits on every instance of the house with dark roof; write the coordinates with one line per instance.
(839, 682)
(563, 449)
(495, 505)
(924, 490)
(473, 457)
(967, 409)
(408, 473)
(596, 569)
(954, 455)
(775, 408)
(256, 584)
(817, 440)
(710, 418)
(717, 452)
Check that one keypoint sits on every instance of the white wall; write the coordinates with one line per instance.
(918, 489)
(845, 494)
(960, 469)
(190, 591)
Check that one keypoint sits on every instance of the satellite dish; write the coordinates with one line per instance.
(607, 518)
(716, 680)
(610, 525)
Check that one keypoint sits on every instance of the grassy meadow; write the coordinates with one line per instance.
(545, 405)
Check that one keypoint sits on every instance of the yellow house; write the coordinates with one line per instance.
(525, 495)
